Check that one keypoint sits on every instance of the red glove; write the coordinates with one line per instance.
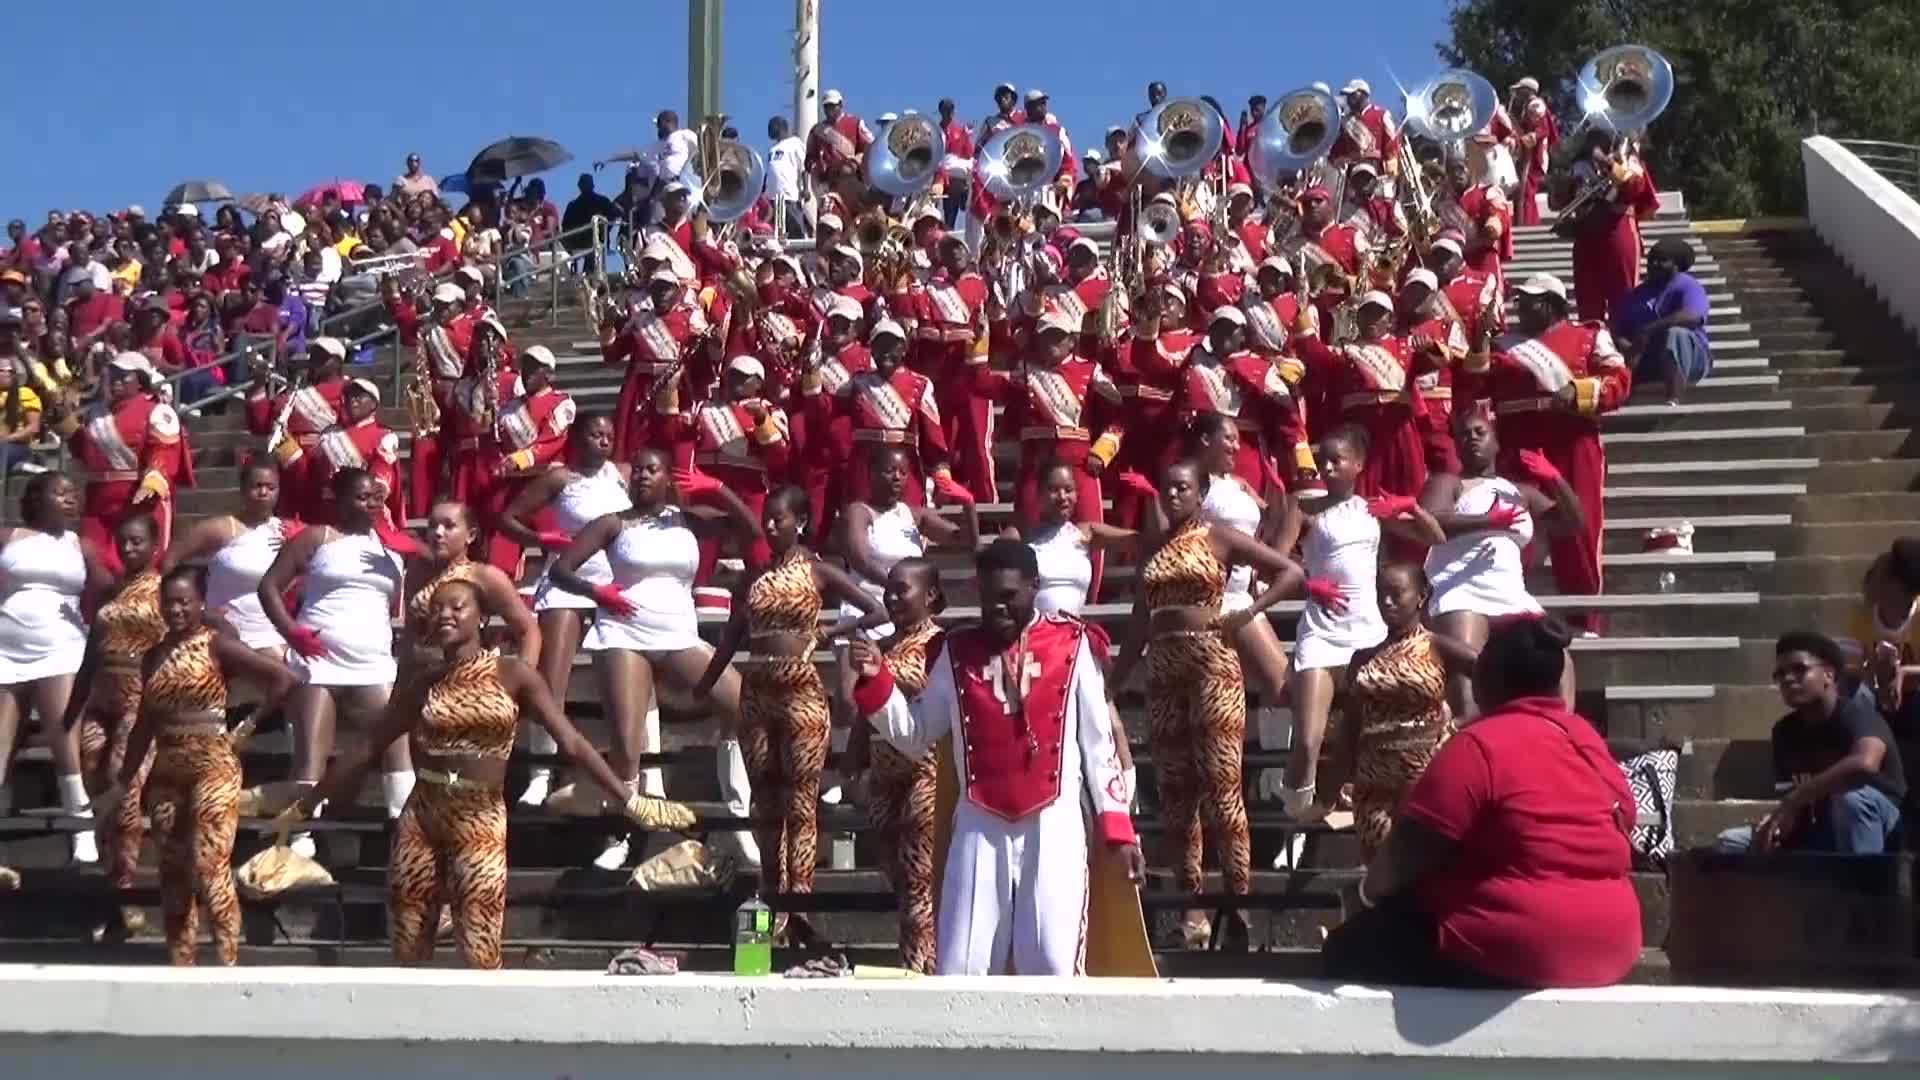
(400, 543)
(1327, 594)
(1504, 516)
(694, 484)
(306, 641)
(289, 528)
(1136, 482)
(1538, 468)
(1387, 507)
(554, 539)
(949, 489)
(609, 597)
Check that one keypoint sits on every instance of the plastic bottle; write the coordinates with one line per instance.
(753, 939)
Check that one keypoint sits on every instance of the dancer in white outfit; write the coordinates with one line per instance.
(1477, 574)
(647, 629)
(44, 568)
(572, 498)
(342, 643)
(1031, 751)
(1341, 545)
(237, 549)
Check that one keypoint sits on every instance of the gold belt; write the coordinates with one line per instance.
(1524, 405)
(885, 435)
(180, 729)
(114, 476)
(1377, 397)
(1072, 434)
(1150, 393)
(453, 781)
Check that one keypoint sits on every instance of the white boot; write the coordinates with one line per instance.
(615, 855)
(540, 782)
(73, 800)
(735, 790)
(395, 787)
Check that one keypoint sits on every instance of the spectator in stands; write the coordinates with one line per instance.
(20, 415)
(1886, 624)
(1835, 761)
(588, 205)
(91, 309)
(1661, 325)
(1508, 862)
(415, 181)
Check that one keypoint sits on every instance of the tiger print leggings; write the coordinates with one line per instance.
(1197, 706)
(901, 809)
(103, 750)
(786, 729)
(193, 794)
(452, 843)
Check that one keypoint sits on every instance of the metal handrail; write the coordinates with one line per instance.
(1898, 162)
(553, 245)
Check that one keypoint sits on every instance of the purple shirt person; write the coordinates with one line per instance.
(1662, 324)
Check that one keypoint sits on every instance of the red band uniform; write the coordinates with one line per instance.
(136, 455)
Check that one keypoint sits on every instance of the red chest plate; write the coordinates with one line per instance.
(1013, 756)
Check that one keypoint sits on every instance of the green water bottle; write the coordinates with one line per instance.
(753, 939)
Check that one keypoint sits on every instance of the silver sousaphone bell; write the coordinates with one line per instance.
(1020, 161)
(906, 160)
(1297, 132)
(732, 183)
(1625, 88)
(1178, 138)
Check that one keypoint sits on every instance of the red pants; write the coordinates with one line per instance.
(826, 494)
(1436, 437)
(110, 502)
(1396, 453)
(1606, 266)
(967, 417)
(1037, 455)
(1573, 446)
(751, 486)
(1151, 441)
(1528, 210)
(424, 483)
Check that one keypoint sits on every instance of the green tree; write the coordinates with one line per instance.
(1752, 79)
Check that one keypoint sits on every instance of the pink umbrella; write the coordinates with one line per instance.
(347, 191)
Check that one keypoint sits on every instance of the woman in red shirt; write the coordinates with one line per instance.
(1507, 865)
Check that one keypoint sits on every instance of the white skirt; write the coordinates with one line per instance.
(1313, 650)
(16, 668)
(610, 631)
(365, 659)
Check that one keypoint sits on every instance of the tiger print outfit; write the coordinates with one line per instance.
(193, 795)
(1398, 697)
(451, 840)
(903, 805)
(129, 625)
(1197, 708)
(786, 727)
(425, 655)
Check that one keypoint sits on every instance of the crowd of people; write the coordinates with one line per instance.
(1310, 393)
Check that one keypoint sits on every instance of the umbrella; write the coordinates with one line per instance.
(255, 204)
(454, 185)
(347, 191)
(517, 155)
(197, 191)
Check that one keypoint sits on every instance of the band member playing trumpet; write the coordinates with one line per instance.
(309, 409)
(1606, 239)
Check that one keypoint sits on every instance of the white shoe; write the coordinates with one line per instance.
(615, 857)
(831, 796)
(539, 785)
(738, 843)
(302, 844)
(85, 851)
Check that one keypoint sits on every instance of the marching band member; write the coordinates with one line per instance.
(1369, 382)
(949, 344)
(1537, 137)
(1066, 411)
(657, 346)
(358, 441)
(1606, 240)
(981, 204)
(1328, 248)
(443, 340)
(135, 453)
(1469, 297)
(893, 405)
(467, 423)
(1217, 280)
(529, 438)
(742, 440)
(1029, 746)
(1087, 286)
(1367, 133)
(310, 409)
(840, 138)
(1247, 236)
(1378, 217)
(1036, 106)
(1427, 311)
(1223, 377)
(826, 452)
(1274, 310)
(1550, 382)
(684, 240)
(781, 330)
(1481, 216)
(1150, 370)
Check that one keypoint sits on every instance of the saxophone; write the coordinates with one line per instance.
(283, 449)
(423, 412)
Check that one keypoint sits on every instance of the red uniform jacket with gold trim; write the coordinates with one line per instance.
(828, 432)
(366, 445)
(532, 431)
(898, 410)
(315, 409)
(950, 323)
(649, 345)
(1524, 374)
(1068, 412)
(729, 444)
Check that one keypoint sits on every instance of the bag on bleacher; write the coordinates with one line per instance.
(1652, 775)
(276, 870)
(579, 800)
(686, 865)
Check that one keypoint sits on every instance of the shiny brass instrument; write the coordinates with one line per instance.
(1453, 107)
(906, 161)
(731, 175)
(278, 434)
(423, 412)
(1019, 162)
(1176, 141)
(1290, 147)
(1622, 89)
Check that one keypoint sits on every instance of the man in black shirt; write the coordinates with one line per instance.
(1834, 760)
(580, 211)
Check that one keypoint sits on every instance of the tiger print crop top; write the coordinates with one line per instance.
(187, 680)
(467, 712)
(1185, 572)
(130, 623)
(908, 658)
(785, 599)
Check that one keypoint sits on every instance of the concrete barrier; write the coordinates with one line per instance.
(158, 1024)
(1868, 221)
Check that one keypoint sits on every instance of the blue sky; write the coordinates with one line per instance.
(264, 100)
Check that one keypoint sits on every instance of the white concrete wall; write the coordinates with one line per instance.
(157, 1024)
(1867, 221)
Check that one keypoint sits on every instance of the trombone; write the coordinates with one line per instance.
(1453, 107)
(1016, 165)
(1622, 89)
